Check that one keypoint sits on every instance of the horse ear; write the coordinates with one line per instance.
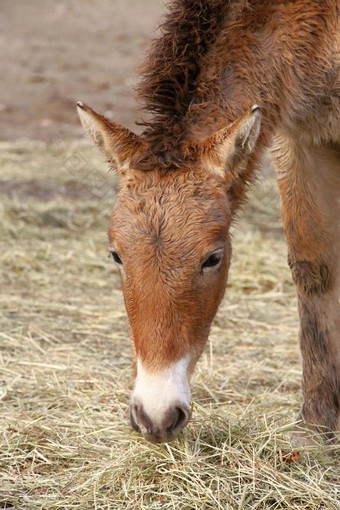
(118, 143)
(226, 151)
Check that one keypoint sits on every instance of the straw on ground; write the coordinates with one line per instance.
(65, 363)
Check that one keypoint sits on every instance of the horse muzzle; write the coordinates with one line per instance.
(160, 401)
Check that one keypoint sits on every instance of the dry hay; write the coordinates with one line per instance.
(66, 370)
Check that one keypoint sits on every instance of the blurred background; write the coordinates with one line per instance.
(54, 53)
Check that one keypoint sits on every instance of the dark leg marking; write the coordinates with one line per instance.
(310, 278)
(320, 383)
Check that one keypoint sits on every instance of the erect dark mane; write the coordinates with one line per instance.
(172, 66)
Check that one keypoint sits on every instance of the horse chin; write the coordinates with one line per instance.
(159, 439)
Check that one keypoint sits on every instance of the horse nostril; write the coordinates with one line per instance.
(179, 418)
(140, 421)
(176, 419)
(133, 414)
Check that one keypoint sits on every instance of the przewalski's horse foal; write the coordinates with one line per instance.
(185, 177)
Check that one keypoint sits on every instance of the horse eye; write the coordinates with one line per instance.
(213, 260)
(116, 257)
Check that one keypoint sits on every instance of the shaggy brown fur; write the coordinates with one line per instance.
(206, 69)
(189, 171)
(173, 65)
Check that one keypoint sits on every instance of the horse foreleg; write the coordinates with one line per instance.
(309, 183)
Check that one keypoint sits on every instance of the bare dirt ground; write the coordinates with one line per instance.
(53, 54)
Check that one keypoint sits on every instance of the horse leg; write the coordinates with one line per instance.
(309, 183)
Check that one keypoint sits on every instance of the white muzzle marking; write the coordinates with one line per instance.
(157, 392)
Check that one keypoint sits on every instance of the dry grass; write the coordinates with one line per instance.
(66, 371)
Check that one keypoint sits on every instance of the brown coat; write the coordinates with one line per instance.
(224, 81)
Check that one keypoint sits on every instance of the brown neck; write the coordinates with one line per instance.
(215, 59)
(268, 53)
